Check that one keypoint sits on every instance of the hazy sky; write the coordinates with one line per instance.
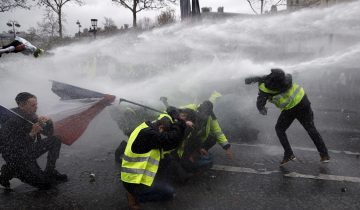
(103, 8)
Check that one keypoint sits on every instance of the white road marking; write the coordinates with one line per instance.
(296, 148)
(327, 177)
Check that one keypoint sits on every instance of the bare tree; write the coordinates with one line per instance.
(57, 6)
(7, 5)
(109, 25)
(136, 6)
(31, 34)
(49, 25)
(166, 17)
(263, 4)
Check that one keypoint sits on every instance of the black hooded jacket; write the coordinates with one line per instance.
(150, 138)
(277, 82)
(14, 133)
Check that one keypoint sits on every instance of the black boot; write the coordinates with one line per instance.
(6, 176)
(55, 175)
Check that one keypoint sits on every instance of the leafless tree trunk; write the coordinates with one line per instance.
(136, 6)
(49, 25)
(56, 6)
(262, 4)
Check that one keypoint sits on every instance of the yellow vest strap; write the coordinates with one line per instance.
(141, 159)
(138, 171)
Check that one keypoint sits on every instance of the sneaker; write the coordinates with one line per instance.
(54, 174)
(324, 158)
(287, 159)
(132, 202)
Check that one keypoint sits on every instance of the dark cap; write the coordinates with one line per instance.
(206, 107)
(275, 80)
(23, 97)
(278, 73)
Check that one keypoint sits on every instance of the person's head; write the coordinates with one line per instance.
(203, 113)
(278, 73)
(163, 124)
(206, 108)
(275, 80)
(38, 52)
(27, 102)
(187, 115)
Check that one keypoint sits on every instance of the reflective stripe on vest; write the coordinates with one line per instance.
(139, 168)
(212, 127)
(288, 99)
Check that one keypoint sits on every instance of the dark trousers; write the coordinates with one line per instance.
(159, 191)
(23, 165)
(304, 114)
(14, 43)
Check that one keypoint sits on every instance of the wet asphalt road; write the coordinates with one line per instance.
(254, 180)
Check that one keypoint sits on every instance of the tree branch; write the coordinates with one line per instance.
(251, 6)
(7, 5)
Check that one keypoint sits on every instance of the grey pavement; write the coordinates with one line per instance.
(253, 180)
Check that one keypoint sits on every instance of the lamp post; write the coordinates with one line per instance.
(13, 24)
(94, 27)
(78, 23)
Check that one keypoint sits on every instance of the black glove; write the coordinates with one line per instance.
(263, 111)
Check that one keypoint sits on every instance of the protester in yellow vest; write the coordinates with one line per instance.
(142, 156)
(194, 153)
(291, 99)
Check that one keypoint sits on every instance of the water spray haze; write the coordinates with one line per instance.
(187, 62)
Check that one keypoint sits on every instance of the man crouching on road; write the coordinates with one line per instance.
(23, 144)
(142, 157)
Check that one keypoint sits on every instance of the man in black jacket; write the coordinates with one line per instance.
(22, 145)
(142, 158)
(291, 99)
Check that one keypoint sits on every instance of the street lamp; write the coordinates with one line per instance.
(13, 24)
(78, 23)
(94, 26)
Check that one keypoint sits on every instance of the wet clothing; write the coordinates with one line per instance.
(15, 46)
(208, 129)
(294, 103)
(142, 157)
(206, 134)
(20, 151)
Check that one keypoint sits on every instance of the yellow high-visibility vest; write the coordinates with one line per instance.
(139, 168)
(212, 127)
(286, 100)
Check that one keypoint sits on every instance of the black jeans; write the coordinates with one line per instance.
(23, 165)
(304, 114)
(158, 191)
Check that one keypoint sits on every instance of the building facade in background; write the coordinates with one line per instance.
(299, 4)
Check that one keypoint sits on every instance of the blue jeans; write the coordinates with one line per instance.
(204, 161)
(159, 191)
